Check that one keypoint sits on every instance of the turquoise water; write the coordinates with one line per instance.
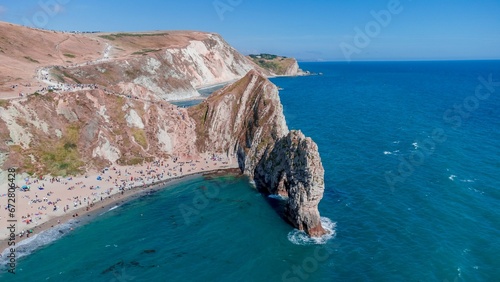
(204, 92)
(406, 203)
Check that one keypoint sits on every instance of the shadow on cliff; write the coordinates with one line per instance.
(291, 171)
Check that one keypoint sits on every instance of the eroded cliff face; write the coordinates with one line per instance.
(170, 71)
(74, 132)
(246, 119)
(241, 119)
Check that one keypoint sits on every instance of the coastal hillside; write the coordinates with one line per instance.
(274, 65)
(24, 50)
(113, 111)
(74, 132)
(170, 64)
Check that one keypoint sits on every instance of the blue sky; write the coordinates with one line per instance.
(308, 30)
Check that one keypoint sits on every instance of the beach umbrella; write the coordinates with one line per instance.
(24, 187)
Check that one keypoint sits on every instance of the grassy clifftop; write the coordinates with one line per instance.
(276, 65)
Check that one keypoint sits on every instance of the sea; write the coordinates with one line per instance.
(411, 152)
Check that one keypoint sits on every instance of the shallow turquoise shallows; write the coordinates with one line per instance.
(412, 160)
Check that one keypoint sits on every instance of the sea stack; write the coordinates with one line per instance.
(293, 169)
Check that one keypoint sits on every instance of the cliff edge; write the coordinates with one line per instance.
(274, 65)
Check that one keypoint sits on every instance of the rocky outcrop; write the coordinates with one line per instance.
(246, 119)
(293, 169)
(242, 120)
(273, 65)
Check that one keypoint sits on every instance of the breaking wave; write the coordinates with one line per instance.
(277, 197)
(115, 207)
(29, 245)
(299, 237)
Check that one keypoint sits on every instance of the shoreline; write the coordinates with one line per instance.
(224, 84)
(85, 216)
(208, 86)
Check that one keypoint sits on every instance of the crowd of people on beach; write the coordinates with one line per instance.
(57, 196)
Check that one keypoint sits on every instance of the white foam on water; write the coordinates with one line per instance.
(110, 209)
(115, 207)
(476, 190)
(35, 242)
(452, 177)
(277, 197)
(467, 180)
(299, 237)
(415, 145)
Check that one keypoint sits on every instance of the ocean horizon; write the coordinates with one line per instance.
(411, 155)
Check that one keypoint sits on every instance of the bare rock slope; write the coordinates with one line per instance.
(74, 132)
(172, 66)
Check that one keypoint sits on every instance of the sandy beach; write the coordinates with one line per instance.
(55, 200)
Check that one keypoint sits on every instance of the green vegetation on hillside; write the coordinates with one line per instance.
(265, 56)
(140, 137)
(60, 73)
(145, 51)
(31, 59)
(274, 63)
(120, 35)
(4, 103)
(60, 158)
